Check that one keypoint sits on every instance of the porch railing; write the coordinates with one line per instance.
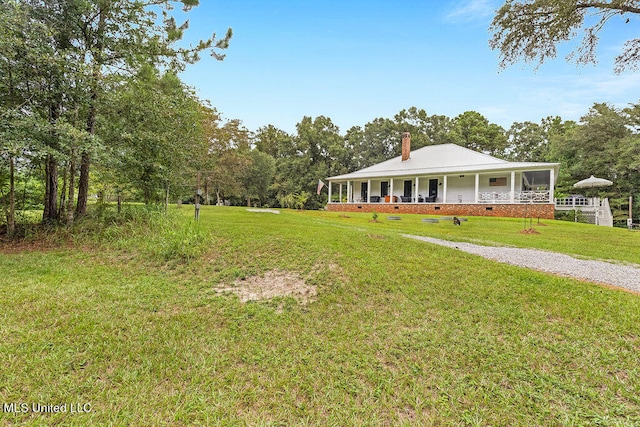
(534, 196)
(578, 201)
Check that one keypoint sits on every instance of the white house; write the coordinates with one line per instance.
(447, 179)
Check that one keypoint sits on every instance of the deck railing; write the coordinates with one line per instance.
(534, 196)
(593, 209)
(578, 201)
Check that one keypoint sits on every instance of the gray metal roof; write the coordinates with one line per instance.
(439, 160)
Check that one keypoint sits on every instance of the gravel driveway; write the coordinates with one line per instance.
(623, 276)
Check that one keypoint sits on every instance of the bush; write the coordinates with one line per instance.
(179, 241)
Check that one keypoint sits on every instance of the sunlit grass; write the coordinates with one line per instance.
(559, 236)
(401, 332)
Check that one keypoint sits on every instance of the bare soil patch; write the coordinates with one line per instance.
(14, 246)
(272, 284)
(529, 231)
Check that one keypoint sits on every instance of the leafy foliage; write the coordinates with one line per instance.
(56, 59)
(532, 29)
(153, 128)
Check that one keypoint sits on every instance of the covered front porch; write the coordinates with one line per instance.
(512, 210)
(511, 187)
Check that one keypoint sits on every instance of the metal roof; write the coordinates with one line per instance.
(439, 160)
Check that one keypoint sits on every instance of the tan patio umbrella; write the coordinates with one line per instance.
(592, 181)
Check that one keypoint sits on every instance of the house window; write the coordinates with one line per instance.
(497, 182)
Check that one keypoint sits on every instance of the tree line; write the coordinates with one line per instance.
(91, 105)
(61, 64)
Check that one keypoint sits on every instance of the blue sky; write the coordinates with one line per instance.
(356, 60)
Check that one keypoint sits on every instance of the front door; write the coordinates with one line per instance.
(384, 188)
(433, 187)
(364, 191)
(407, 188)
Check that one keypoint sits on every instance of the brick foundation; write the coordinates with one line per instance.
(450, 209)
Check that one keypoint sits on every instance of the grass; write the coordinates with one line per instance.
(570, 238)
(401, 332)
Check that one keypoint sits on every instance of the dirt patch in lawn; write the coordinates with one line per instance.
(272, 284)
(14, 246)
(530, 231)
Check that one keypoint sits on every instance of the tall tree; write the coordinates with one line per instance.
(528, 142)
(273, 141)
(378, 141)
(116, 36)
(602, 144)
(33, 83)
(532, 29)
(320, 150)
(424, 129)
(153, 131)
(227, 157)
(472, 130)
(628, 155)
(258, 176)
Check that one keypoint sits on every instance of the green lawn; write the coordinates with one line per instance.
(401, 332)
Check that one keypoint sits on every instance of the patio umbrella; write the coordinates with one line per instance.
(592, 181)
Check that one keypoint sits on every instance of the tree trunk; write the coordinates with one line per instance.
(85, 162)
(11, 218)
(83, 185)
(218, 197)
(72, 181)
(51, 193)
(62, 203)
(248, 201)
(166, 198)
(45, 212)
(207, 200)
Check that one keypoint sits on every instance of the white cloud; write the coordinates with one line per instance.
(471, 10)
(568, 96)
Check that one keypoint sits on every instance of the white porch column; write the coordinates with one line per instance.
(552, 176)
(415, 196)
(391, 190)
(477, 187)
(348, 191)
(444, 189)
(340, 193)
(513, 186)
(329, 200)
(369, 191)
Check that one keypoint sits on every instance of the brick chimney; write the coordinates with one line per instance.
(406, 146)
